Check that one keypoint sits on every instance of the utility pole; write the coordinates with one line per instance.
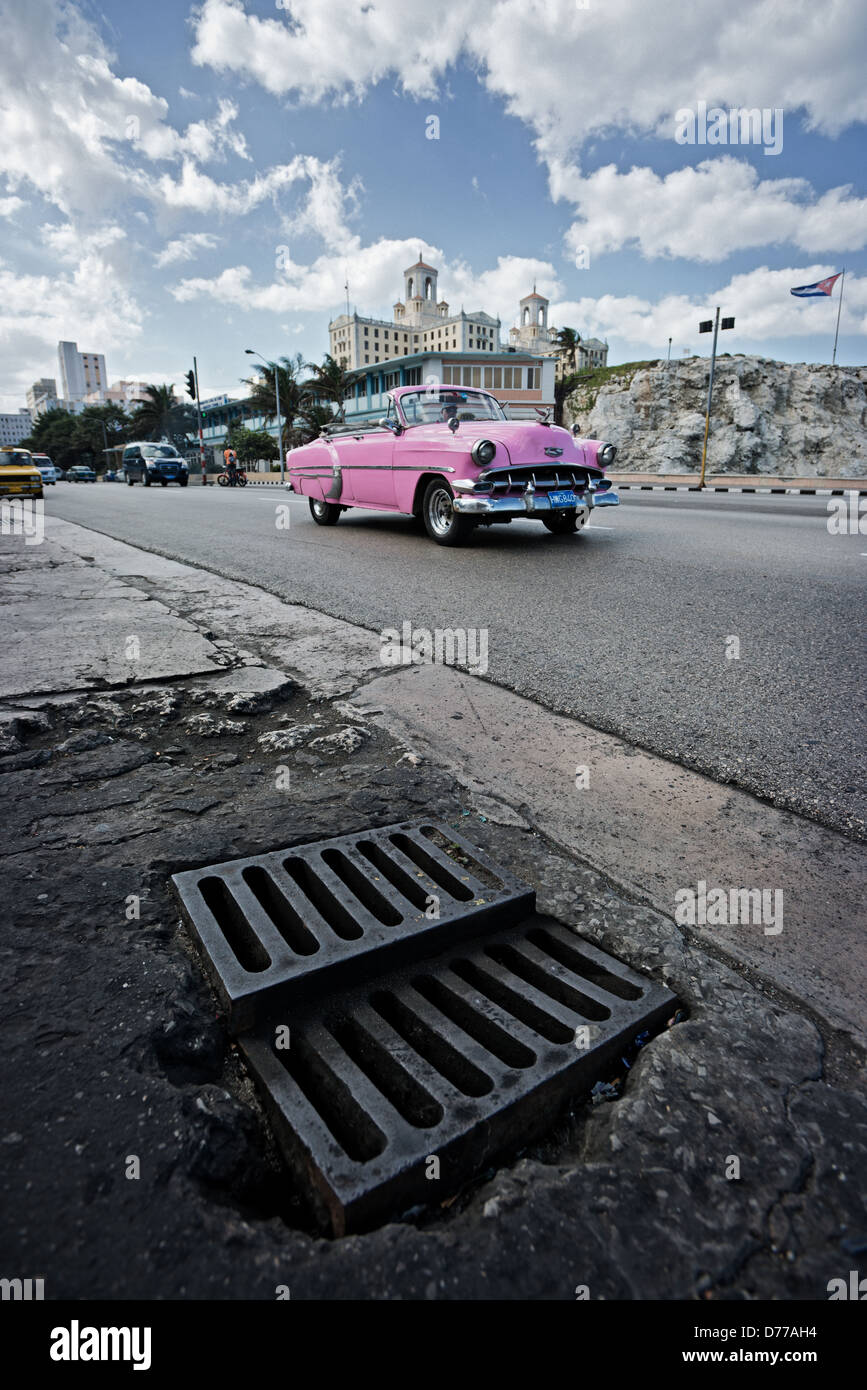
(705, 327)
(199, 417)
(669, 350)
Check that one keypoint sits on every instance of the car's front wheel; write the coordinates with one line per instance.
(130, 480)
(146, 478)
(183, 481)
(324, 513)
(442, 523)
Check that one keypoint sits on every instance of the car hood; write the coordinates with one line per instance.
(518, 442)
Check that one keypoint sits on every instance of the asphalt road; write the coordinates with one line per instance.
(626, 626)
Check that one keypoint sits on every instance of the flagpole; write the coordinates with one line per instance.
(839, 307)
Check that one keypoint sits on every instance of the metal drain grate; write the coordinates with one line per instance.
(456, 1058)
(329, 911)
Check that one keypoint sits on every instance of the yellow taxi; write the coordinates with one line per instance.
(19, 476)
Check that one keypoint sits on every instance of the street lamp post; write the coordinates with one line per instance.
(705, 327)
(251, 353)
(105, 442)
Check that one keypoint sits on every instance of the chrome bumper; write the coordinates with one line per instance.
(528, 503)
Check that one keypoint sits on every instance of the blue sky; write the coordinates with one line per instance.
(181, 179)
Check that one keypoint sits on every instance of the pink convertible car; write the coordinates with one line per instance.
(450, 456)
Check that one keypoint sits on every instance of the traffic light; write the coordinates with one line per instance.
(191, 384)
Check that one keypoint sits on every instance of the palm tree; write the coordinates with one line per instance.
(163, 416)
(263, 394)
(567, 341)
(329, 382)
(312, 417)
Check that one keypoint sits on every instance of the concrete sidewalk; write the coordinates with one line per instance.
(118, 775)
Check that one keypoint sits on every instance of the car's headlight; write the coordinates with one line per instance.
(483, 451)
(607, 454)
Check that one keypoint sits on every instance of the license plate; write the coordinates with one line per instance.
(563, 499)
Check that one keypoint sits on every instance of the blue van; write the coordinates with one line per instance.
(146, 462)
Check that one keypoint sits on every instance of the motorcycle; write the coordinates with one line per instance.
(232, 477)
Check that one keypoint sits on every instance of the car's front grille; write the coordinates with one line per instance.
(506, 482)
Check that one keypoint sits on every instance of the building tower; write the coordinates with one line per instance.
(420, 293)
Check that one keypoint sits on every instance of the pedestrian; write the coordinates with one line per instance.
(204, 469)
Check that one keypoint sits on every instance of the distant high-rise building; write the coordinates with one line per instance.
(80, 372)
(42, 396)
(14, 428)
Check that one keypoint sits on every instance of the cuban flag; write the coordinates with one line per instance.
(817, 290)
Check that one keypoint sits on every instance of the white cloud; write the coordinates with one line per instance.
(69, 243)
(9, 206)
(760, 300)
(89, 304)
(569, 73)
(375, 276)
(335, 50)
(76, 132)
(706, 212)
(185, 248)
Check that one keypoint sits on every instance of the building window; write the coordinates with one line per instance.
(498, 378)
(489, 376)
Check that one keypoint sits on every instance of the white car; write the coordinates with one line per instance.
(46, 468)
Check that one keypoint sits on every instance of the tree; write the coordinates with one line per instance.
(563, 388)
(88, 435)
(567, 341)
(163, 416)
(329, 382)
(263, 395)
(54, 435)
(251, 445)
(312, 417)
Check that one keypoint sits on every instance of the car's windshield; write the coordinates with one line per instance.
(429, 407)
(159, 451)
(18, 456)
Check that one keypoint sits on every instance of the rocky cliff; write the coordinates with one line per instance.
(768, 417)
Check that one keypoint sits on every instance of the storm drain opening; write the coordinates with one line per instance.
(273, 926)
(407, 1014)
(460, 1058)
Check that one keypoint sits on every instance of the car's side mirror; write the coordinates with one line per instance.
(453, 423)
(576, 429)
(386, 424)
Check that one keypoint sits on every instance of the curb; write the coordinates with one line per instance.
(712, 487)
